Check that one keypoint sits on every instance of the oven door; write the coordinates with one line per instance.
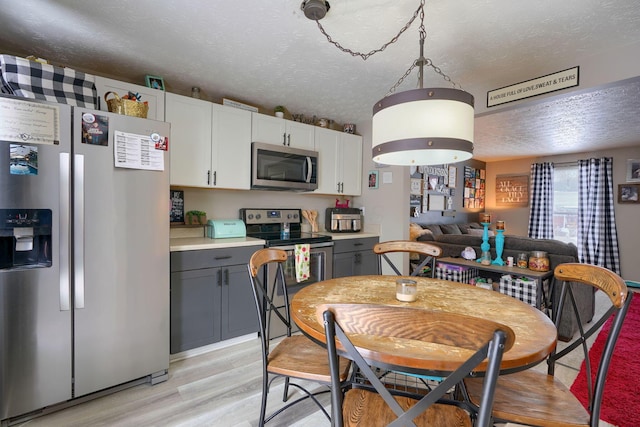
(320, 268)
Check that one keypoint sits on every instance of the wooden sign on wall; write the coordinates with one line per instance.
(512, 190)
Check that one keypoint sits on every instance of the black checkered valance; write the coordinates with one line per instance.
(31, 79)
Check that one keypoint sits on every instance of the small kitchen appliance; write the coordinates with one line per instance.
(343, 220)
(280, 167)
(225, 228)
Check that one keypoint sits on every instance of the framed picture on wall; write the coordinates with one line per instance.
(373, 179)
(628, 193)
(452, 176)
(633, 170)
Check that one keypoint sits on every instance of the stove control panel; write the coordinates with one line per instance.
(270, 216)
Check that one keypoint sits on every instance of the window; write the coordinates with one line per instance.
(565, 203)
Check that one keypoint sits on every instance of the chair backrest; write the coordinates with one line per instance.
(264, 292)
(427, 251)
(403, 338)
(616, 290)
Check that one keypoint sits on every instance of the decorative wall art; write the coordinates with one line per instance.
(373, 179)
(474, 188)
(177, 206)
(512, 190)
(633, 170)
(628, 193)
(430, 189)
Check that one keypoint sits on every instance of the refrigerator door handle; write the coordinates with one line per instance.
(63, 249)
(78, 223)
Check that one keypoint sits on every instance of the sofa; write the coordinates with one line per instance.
(454, 238)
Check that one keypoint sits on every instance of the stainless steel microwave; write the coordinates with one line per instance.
(277, 167)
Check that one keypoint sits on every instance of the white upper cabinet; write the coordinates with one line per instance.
(190, 142)
(231, 147)
(210, 144)
(274, 130)
(351, 163)
(154, 97)
(339, 162)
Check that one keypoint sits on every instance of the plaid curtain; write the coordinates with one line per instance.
(541, 212)
(597, 233)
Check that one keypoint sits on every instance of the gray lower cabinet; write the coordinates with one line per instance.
(354, 257)
(211, 297)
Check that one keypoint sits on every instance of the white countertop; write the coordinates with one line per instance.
(197, 243)
(344, 236)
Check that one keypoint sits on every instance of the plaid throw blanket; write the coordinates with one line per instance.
(30, 79)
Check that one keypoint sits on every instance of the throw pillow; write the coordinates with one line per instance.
(450, 229)
(435, 229)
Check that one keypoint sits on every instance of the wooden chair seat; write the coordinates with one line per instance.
(297, 356)
(380, 337)
(534, 398)
(363, 408)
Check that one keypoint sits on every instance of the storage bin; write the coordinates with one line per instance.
(455, 273)
(524, 289)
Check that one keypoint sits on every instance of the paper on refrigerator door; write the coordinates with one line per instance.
(135, 151)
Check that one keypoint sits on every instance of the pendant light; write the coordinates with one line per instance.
(424, 126)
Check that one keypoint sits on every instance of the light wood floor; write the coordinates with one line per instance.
(218, 388)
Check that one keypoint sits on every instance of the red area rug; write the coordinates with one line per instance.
(621, 402)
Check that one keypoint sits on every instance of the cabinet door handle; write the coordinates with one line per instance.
(208, 177)
(226, 276)
(284, 138)
(289, 140)
(358, 244)
(215, 177)
(358, 259)
(219, 277)
(222, 257)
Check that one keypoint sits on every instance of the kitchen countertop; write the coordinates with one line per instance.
(197, 243)
(343, 236)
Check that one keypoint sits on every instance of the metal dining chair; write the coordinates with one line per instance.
(395, 337)
(294, 356)
(427, 251)
(536, 398)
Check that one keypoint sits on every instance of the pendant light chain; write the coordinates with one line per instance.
(421, 62)
(365, 56)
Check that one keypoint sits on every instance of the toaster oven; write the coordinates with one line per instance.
(343, 220)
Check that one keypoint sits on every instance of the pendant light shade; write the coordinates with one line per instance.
(428, 126)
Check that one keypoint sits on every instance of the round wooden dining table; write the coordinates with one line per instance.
(535, 333)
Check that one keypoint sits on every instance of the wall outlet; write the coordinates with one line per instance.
(362, 210)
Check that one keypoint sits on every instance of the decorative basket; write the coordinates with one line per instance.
(127, 107)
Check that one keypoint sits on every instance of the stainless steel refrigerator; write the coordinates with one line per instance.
(84, 253)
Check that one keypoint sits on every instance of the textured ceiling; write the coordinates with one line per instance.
(267, 53)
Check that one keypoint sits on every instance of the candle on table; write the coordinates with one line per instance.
(499, 225)
(485, 218)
